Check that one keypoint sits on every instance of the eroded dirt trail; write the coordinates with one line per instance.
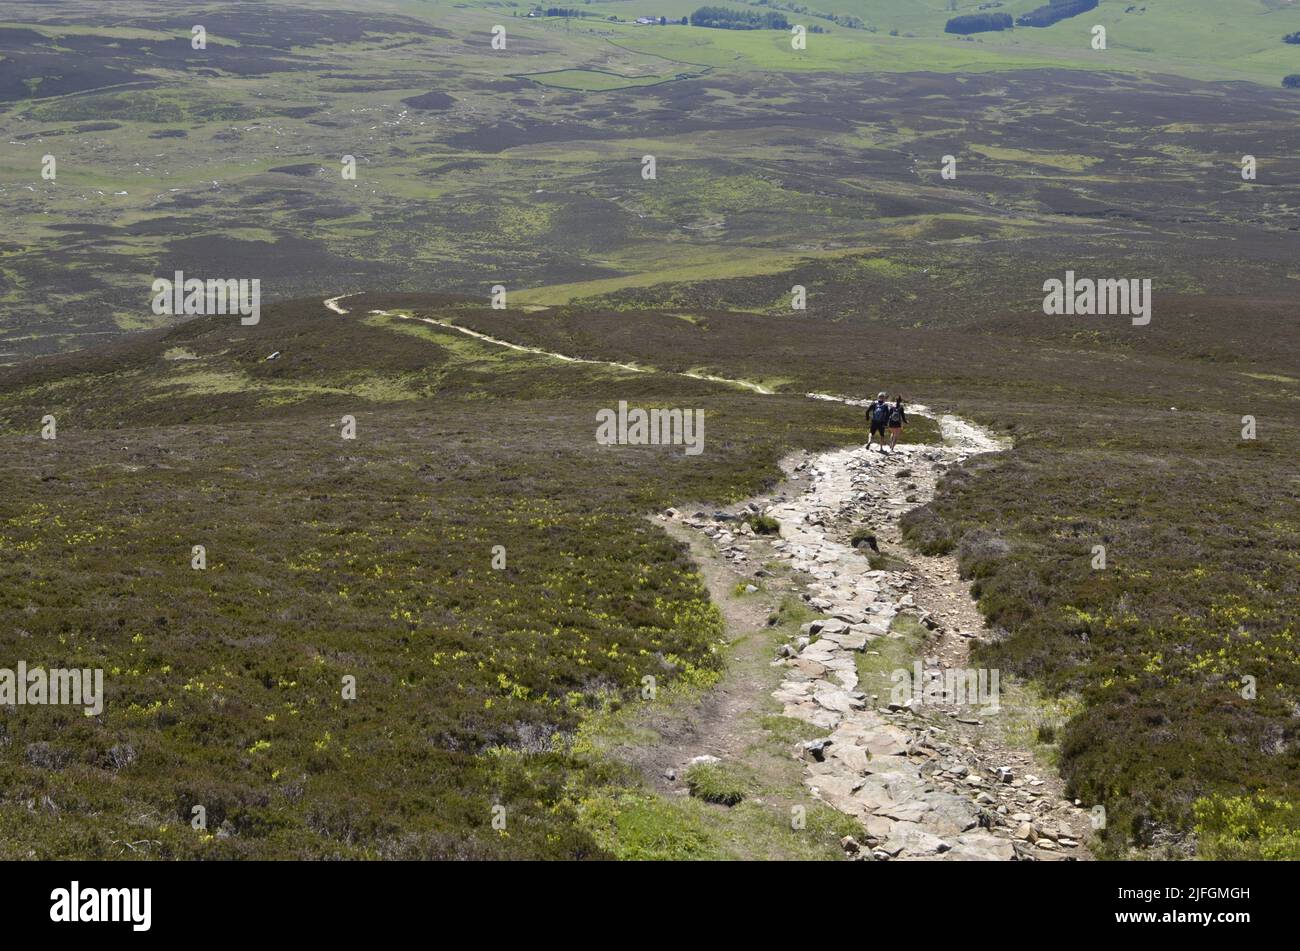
(926, 777)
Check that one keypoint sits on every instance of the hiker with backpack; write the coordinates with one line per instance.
(896, 418)
(878, 417)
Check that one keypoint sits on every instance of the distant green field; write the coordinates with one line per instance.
(1202, 39)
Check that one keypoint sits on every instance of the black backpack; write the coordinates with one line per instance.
(896, 416)
(880, 413)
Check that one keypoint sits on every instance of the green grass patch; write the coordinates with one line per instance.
(719, 783)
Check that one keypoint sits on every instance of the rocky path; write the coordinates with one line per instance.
(927, 777)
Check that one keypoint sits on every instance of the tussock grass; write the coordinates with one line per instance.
(718, 783)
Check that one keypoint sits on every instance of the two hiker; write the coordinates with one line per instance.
(883, 416)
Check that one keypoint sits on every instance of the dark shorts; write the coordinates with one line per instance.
(876, 428)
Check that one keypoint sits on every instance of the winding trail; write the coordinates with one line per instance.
(927, 777)
(333, 304)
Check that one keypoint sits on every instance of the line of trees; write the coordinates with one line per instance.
(1292, 81)
(1055, 11)
(978, 23)
(846, 20)
(721, 18)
